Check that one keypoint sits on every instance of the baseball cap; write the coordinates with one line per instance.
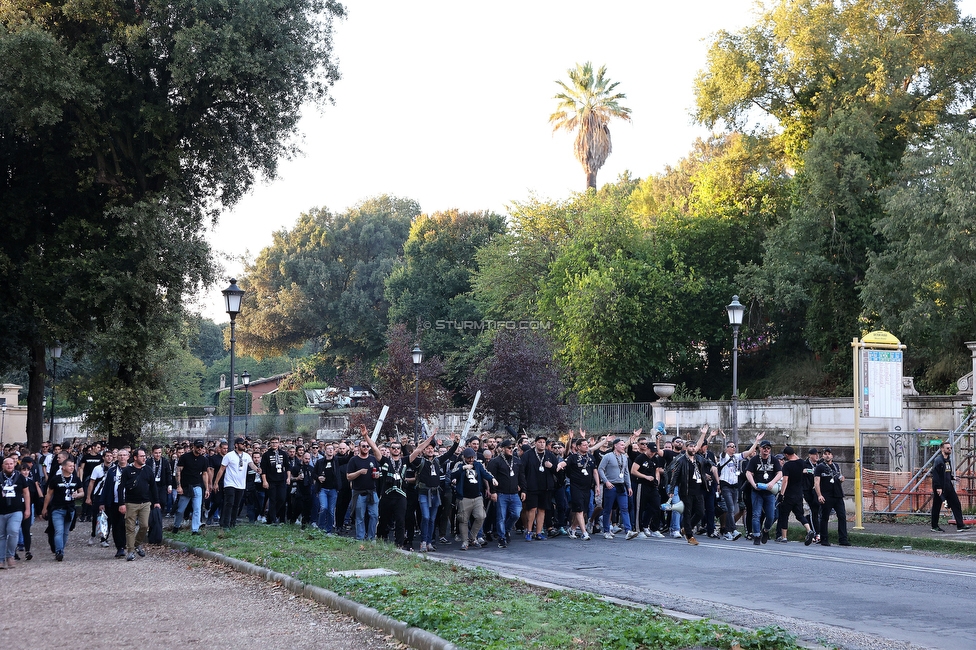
(541, 437)
(469, 453)
(199, 443)
(240, 441)
(765, 443)
(507, 442)
(812, 450)
(826, 450)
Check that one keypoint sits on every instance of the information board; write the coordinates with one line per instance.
(881, 372)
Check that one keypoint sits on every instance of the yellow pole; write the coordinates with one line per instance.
(858, 494)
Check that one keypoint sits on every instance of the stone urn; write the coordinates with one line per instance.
(664, 391)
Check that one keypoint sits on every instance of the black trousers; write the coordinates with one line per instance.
(232, 504)
(393, 512)
(835, 504)
(693, 514)
(116, 523)
(343, 514)
(647, 506)
(277, 494)
(787, 507)
(811, 498)
(950, 497)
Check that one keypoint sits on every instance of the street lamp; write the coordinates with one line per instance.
(418, 357)
(735, 311)
(246, 380)
(232, 302)
(3, 421)
(55, 355)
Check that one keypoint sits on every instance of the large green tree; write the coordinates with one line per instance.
(921, 287)
(847, 85)
(430, 289)
(124, 128)
(325, 279)
(586, 105)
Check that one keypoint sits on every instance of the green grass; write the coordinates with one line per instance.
(475, 608)
(896, 542)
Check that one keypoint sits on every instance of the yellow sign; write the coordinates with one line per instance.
(879, 337)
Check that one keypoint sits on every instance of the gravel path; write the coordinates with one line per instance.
(167, 599)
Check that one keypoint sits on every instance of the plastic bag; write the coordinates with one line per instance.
(102, 526)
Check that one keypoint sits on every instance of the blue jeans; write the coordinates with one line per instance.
(10, 532)
(327, 508)
(763, 501)
(362, 510)
(675, 516)
(429, 503)
(618, 494)
(62, 526)
(508, 509)
(730, 498)
(197, 497)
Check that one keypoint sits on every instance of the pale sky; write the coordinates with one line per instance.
(447, 103)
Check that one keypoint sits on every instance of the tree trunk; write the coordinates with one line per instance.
(591, 180)
(37, 379)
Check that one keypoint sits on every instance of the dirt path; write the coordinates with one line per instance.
(168, 599)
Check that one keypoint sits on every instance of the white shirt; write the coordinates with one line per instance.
(235, 469)
(730, 470)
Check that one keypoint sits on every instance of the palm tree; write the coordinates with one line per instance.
(585, 106)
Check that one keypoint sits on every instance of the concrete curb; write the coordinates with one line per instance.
(412, 636)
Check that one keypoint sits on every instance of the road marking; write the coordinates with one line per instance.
(844, 560)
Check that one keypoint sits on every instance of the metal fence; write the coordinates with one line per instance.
(897, 466)
(615, 418)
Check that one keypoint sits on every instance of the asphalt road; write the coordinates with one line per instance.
(847, 597)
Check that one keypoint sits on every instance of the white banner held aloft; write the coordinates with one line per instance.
(467, 425)
(379, 422)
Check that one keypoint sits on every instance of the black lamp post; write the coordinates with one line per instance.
(418, 357)
(246, 380)
(735, 311)
(3, 421)
(55, 355)
(232, 301)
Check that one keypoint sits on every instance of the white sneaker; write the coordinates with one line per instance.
(572, 534)
(728, 537)
(647, 532)
(657, 534)
(615, 529)
(645, 535)
(586, 536)
(104, 543)
(607, 535)
(736, 535)
(675, 534)
(423, 547)
(632, 534)
(91, 540)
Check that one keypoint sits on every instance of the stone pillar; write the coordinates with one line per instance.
(972, 377)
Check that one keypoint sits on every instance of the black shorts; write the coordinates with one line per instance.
(537, 500)
(579, 499)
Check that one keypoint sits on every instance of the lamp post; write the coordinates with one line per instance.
(55, 355)
(246, 380)
(3, 421)
(232, 302)
(735, 311)
(418, 357)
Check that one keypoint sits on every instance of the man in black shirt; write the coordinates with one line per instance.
(792, 496)
(275, 478)
(62, 490)
(828, 484)
(162, 472)
(15, 506)
(644, 473)
(763, 473)
(138, 496)
(328, 479)
(363, 471)
(809, 495)
(943, 490)
(193, 484)
(430, 471)
(393, 501)
(507, 494)
(582, 475)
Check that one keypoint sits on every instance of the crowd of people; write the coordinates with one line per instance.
(489, 488)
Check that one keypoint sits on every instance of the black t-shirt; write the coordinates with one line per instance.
(62, 491)
(192, 468)
(275, 465)
(393, 475)
(830, 485)
(214, 461)
(646, 468)
(470, 485)
(429, 472)
(88, 464)
(764, 471)
(366, 481)
(327, 468)
(12, 495)
(793, 471)
(580, 470)
(808, 468)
